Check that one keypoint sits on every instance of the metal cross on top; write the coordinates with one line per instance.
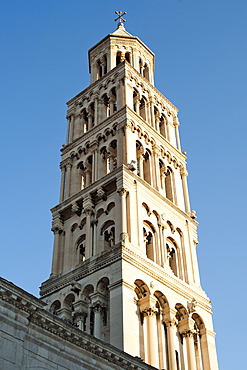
(120, 17)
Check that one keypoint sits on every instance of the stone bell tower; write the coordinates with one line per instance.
(124, 265)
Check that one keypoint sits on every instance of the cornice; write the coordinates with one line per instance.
(53, 325)
(172, 282)
(88, 267)
(122, 252)
(103, 181)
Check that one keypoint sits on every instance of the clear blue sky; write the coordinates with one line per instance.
(201, 60)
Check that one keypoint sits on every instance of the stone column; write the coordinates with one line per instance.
(171, 338)
(71, 132)
(88, 172)
(90, 121)
(156, 153)
(119, 92)
(189, 337)
(68, 179)
(96, 98)
(184, 174)
(97, 320)
(152, 112)
(62, 185)
(88, 210)
(124, 234)
(57, 228)
(120, 145)
(176, 124)
(140, 160)
(149, 310)
(111, 103)
(161, 246)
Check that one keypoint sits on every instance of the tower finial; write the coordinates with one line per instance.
(120, 18)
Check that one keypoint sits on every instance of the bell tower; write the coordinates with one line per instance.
(124, 265)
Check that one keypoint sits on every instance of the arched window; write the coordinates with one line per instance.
(81, 176)
(118, 57)
(107, 233)
(91, 112)
(104, 64)
(163, 126)
(106, 112)
(172, 255)
(169, 184)
(147, 167)
(127, 56)
(113, 100)
(55, 307)
(89, 170)
(81, 248)
(139, 158)
(146, 71)
(140, 65)
(143, 108)
(149, 241)
(136, 101)
(112, 156)
(84, 117)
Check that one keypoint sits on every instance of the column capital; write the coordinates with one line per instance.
(188, 333)
(183, 172)
(122, 191)
(148, 306)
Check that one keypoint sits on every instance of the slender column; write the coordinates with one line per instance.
(127, 144)
(68, 130)
(137, 104)
(57, 228)
(97, 320)
(176, 124)
(88, 171)
(100, 110)
(71, 133)
(156, 153)
(111, 102)
(171, 337)
(96, 98)
(184, 174)
(161, 245)
(120, 146)
(69, 166)
(123, 235)
(88, 210)
(119, 92)
(62, 186)
(152, 112)
(141, 159)
(162, 182)
(147, 307)
(90, 121)
(189, 337)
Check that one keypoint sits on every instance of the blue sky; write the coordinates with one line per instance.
(201, 60)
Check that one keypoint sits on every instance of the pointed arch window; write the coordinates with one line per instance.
(169, 185)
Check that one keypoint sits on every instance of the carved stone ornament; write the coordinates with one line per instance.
(132, 165)
(192, 305)
(101, 193)
(150, 311)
